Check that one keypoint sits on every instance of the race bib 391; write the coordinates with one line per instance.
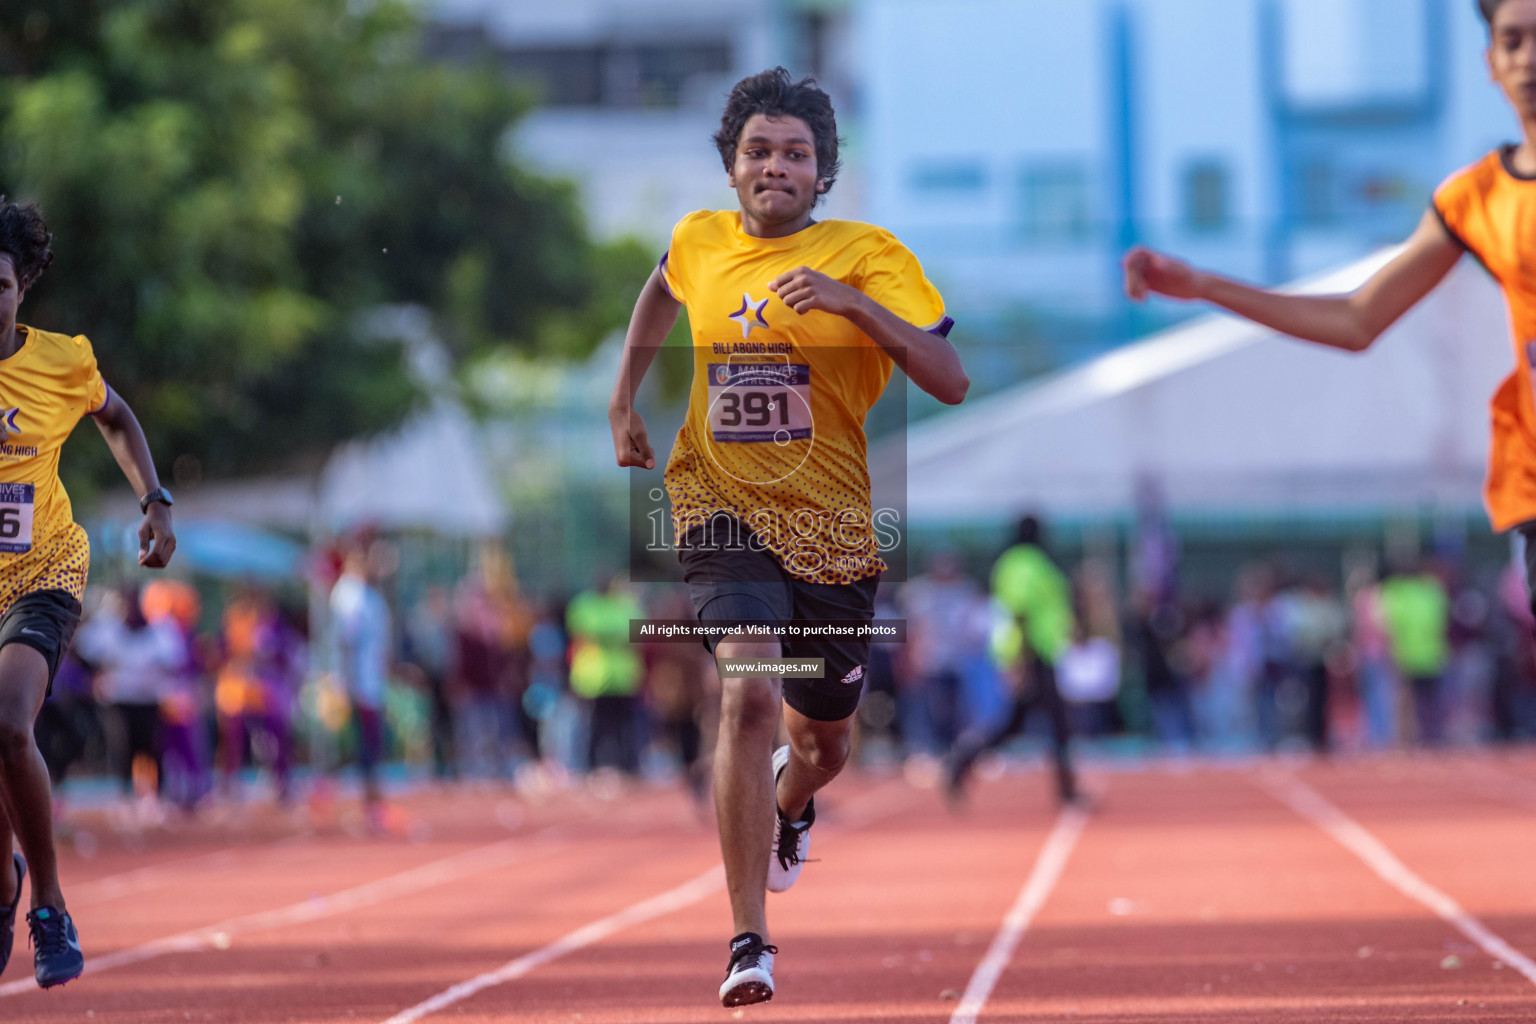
(753, 403)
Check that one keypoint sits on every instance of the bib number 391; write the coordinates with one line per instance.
(15, 518)
(757, 402)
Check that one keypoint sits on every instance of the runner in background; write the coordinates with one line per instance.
(48, 382)
(1036, 633)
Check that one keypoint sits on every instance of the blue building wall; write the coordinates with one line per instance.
(1020, 145)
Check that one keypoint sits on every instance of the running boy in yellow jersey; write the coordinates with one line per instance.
(1487, 209)
(796, 326)
(47, 383)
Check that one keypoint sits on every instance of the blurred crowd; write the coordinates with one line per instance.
(187, 698)
(1413, 656)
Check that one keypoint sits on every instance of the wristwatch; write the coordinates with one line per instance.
(159, 494)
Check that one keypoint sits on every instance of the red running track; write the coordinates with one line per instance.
(1394, 889)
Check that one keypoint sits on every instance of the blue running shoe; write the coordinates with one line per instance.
(8, 917)
(55, 947)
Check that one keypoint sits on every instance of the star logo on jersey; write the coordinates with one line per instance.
(750, 315)
(8, 427)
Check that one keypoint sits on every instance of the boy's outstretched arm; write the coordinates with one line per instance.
(655, 313)
(1350, 322)
(157, 538)
(928, 359)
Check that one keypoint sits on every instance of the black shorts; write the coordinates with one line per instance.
(44, 620)
(732, 583)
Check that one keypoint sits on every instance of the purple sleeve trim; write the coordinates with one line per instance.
(104, 402)
(943, 327)
(662, 266)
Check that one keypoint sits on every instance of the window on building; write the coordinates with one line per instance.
(654, 76)
(560, 77)
(1207, 196)
(949, 179)
(1055, 199)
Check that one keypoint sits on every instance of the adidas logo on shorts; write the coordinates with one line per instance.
(855, 675)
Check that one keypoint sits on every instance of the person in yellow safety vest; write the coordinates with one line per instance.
(606, 673)
(1030, 638)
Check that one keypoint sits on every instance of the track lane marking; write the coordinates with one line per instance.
(1308, 803)
(685, 895)
(418, 879)
(1048, 868)
(866, 810)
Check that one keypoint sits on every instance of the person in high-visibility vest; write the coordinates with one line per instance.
(1033, 631)
(606, 672)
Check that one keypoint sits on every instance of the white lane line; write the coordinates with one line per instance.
(684, 895)
(1037, 889)
(219, 936)
(865, 810)
(1344, 830)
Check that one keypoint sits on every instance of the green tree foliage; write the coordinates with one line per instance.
(231, 183)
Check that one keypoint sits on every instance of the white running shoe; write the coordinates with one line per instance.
(749, 976)
(791, 839)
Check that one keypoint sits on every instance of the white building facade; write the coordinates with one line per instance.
(1019, 146)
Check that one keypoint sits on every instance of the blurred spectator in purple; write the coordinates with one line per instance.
(256, 694)
(483, 723)
(1157, 627)
(185, 709)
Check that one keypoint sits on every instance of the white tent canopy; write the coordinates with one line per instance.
(430, 475)
(1230, 417)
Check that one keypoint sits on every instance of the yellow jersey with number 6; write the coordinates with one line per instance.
(45, 388)
(775, 428)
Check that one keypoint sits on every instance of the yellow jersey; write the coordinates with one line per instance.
(45, 388)
(775, 428)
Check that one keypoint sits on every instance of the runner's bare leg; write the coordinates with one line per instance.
(24, 791)
(817, 753)
(749, 721)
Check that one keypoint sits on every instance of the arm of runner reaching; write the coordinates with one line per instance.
(655, 313)
(1350, 322)
(157, 538)
(928, 359)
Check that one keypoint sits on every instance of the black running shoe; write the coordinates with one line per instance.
(55, 947)
(8, 917)
(749, 976)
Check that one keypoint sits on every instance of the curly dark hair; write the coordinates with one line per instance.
(25, 238)
(776, 94)
(1488, 8)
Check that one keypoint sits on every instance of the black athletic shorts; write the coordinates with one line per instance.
(44, 620)
(732, 583)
